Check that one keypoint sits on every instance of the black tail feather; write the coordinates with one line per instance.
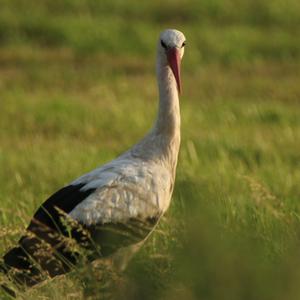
(20, 268)
(43, 253)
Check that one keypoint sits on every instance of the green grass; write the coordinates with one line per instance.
(77, 88)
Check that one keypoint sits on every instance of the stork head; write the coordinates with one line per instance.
(171, 49)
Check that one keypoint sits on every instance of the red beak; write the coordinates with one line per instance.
(174, 60)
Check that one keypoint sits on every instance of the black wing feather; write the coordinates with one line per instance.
(63, 201)
(43, 247)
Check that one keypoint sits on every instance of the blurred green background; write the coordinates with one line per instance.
(77, 88)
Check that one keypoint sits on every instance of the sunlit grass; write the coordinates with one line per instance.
(77, 88)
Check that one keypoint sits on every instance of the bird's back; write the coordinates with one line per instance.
(125, 188)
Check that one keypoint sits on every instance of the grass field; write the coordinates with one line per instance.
(77, 88)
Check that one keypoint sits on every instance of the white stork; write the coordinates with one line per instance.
(117, 204)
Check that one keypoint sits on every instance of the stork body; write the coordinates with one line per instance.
(118, 204)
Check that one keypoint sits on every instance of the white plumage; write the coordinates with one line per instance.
(140, 182)
(136, 186)
(126, 188)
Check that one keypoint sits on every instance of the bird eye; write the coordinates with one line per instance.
(163, 44)
(183, 44)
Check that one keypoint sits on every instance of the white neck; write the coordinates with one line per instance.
(168, 120)
(167, 126)
(163, 141)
